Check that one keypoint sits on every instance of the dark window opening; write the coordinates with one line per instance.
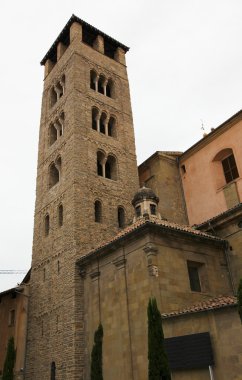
(111, 168)
(102, 123)
(58, 267)
(193, 272)
(109, 49)
(99, 169)
(108, 170)
(109, 88)
(98, 211)
(47, 225)
(94, 118)
(52, 371)
(111, 127)
(121, 217)
(183, 168)
(53, 97)
(101, 84)
(93, 79)
(153, 209)
(54, 175)
(53, 134)
(60, 215)
(88, 36)
(230, 168)
(138, 211)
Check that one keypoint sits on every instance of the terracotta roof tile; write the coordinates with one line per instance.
(210, 304)
(153, 220)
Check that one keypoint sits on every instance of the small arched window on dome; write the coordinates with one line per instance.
(98, 211)
(121, 217)
(153, 209)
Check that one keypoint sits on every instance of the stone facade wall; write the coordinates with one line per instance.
(118, 283)
(225, 331)
(55, 331)
(161, 173)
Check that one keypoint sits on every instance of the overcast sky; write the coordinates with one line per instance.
(185, 70)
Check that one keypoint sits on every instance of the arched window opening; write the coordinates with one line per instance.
(225, 167)
(153, 209)
(138, 211)
(101, 82)
(109, 89)
(121, 217)
(98, 212)
(102, 123)
(59, 90)
(112, 127)
(54, 175)
(100, 164)
(52, 134)
(52, 371)
(111, 168)
(95, 118)
(93, 80)
(53, 96)
(60, 215)
(230, 168)
(47, 224)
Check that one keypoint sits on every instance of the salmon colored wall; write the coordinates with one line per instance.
(204, 181)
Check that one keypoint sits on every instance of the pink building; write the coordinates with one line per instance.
(211, 171)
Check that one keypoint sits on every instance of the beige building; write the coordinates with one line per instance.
(103, 246)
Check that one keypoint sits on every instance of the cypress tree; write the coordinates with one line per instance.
(158, 362)
(239, 297)
(96, 356)
(9, 361)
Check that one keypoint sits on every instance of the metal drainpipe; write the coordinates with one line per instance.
(226, 250)
(211, 372)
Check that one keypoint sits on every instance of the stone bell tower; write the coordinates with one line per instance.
(86, 178)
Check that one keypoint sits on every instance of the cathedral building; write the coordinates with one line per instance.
(108, 235)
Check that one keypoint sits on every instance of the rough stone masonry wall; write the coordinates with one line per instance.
(56, 305)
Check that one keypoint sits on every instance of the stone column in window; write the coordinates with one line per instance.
(105, 87)
(98, 121)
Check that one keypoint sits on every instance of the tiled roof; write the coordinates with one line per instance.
(224, 213)
(210, 304)
(153, 220)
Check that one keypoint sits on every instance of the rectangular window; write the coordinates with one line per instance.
(230, 168)
(193, 273)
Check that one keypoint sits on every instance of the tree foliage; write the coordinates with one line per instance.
(239, 296)
(9, 361)
(96, 357)
(158, 362)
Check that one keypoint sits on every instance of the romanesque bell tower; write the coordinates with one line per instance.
(87, 175)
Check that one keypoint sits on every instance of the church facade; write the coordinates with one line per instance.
(109, 235)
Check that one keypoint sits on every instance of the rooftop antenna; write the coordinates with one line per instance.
(203, 129)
